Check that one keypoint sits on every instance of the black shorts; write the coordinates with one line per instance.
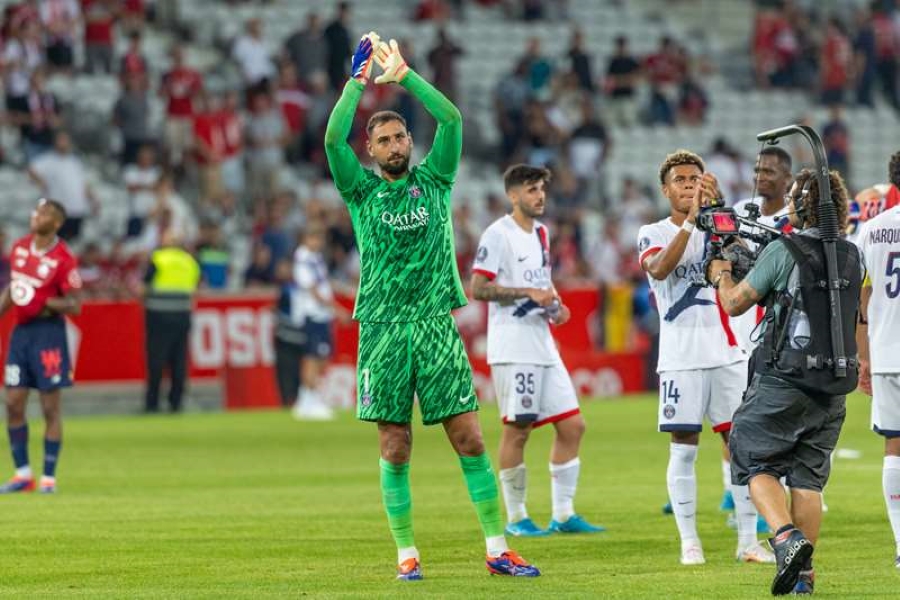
(318, 340)
(38, 356)
(59, 54)
(781, 431)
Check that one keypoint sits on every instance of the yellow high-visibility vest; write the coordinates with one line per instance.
(177, 272)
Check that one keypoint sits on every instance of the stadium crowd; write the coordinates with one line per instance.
(212, 171)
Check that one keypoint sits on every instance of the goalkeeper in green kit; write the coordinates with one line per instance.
(408, 340)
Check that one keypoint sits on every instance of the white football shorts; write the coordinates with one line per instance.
(886, 404)
(537, 394)
(685, 397)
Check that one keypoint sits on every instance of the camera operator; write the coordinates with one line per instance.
(792, 412)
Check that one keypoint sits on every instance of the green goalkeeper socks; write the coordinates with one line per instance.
(483, 492)
(397, 501)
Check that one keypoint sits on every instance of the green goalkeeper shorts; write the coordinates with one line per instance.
(423, 358)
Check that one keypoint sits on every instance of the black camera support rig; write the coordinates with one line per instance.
(828, 229)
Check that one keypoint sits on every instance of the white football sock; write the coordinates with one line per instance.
(406, 553)
(681, 480)
(891, 484)
(496, 546)
(307, 396)
(726, 475)
(563, 484)
(24, 472)
(301, 397)
(514, 482)
(745, 515)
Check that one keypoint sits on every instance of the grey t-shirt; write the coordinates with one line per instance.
(776, 271)
(266, 128)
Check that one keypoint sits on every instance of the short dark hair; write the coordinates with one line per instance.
(382, 117)
(894, 169)
(783, 157)
(521, 174)
(57, 206)
(839, 196)
(678, 158)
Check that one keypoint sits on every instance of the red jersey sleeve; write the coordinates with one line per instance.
(68, 277)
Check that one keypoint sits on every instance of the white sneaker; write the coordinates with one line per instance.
(312, 410)
(692, 555)
(757, 553)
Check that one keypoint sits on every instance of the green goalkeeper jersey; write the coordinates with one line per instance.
(404, 229)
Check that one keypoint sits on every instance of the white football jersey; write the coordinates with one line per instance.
(512, 257)
(745, 325)
(695, 332)
(879, 243)
(310, 272)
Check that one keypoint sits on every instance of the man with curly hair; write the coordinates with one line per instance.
(792, 412)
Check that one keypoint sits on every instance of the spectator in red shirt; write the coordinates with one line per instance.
(100, 18)
(666, 70)
(180, 85)
(776, 49)
(209, 145)
(835, 63)
(667, 66)
(431, 10)
(133, 62)
(887, 47)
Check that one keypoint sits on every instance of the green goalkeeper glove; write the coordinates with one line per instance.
(391, 61)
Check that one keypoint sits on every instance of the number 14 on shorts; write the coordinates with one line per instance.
(669, 393)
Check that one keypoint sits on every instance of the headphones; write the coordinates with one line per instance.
(800, 202)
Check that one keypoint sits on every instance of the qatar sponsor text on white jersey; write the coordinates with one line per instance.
(512, 257)
(695, 332)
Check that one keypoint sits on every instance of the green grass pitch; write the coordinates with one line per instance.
(256, 505)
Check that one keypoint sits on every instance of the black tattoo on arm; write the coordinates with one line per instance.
(485, 290)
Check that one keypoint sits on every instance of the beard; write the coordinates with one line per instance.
(395, 167)
(532, 212)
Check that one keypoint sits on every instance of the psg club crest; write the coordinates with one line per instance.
(415, 191)
(526, 401)
(644, 244)
(482, 253)
(669, 411)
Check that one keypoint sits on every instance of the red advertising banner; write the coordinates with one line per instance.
(231, 338)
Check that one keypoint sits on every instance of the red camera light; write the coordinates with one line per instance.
(724, 223)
